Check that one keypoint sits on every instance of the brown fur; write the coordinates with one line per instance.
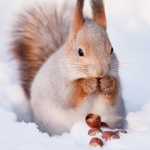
(91, 85)
(111, 96)
(82, 88)
(99, 12)
(38, 34)
(78, 16)
(78, 94)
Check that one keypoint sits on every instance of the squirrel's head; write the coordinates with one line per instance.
(89, 51)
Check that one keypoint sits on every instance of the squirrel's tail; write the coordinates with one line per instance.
(38, 33)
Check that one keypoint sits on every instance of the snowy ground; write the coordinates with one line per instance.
(129, 31)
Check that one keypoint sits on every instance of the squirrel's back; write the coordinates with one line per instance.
(37, 34)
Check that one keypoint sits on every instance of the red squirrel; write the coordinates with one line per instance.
(68, 72)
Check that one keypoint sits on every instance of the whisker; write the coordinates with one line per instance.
(125, 58)
(121, 73)
(136, 73)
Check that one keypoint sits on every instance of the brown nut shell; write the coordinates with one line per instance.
(94, 131)
(104, 125)
(93, 120)
(108, 135)
(96, 142)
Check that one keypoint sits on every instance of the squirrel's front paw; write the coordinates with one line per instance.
(107, 84)
(90, 85)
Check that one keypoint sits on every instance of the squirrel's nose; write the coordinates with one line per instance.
(99, 73)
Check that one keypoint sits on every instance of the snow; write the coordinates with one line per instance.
(129, 31)
(25, 136)
(139, 121)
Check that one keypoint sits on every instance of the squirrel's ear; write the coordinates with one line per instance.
(99, 12)
(78, 19)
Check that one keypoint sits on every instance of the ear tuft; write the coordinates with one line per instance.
(78, 20)
(99, 12)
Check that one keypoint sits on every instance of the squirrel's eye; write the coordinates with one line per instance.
(112, 50)
(80, 52)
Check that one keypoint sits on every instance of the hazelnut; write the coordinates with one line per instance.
(94, 131)
(96, 142)
(93, 120)
(108, 135)
(104, 125)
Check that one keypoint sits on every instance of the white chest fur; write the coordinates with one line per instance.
(49, 95)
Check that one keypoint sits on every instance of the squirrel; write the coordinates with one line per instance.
(68, 69)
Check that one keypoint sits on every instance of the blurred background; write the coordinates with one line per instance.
(128, 25)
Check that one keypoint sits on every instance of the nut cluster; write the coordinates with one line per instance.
(94, 122)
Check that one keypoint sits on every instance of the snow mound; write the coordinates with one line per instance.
(26, 136)
(11, 94)
(139, 121)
